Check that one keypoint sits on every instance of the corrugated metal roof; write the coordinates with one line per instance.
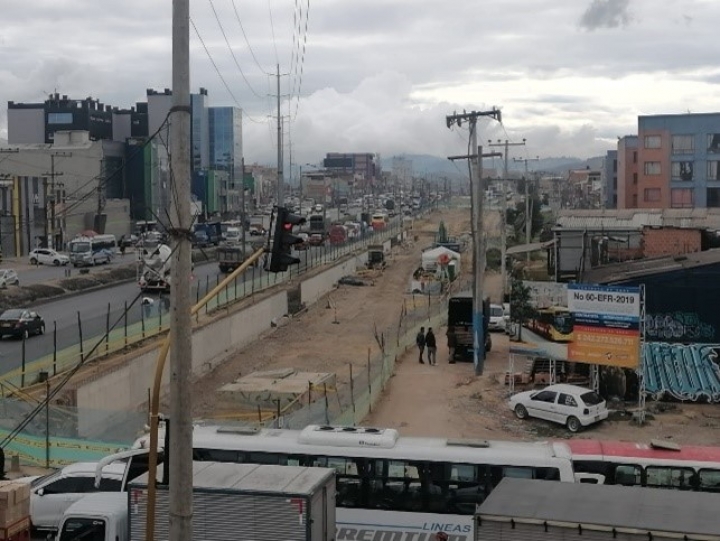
(636, 219)
(637, 509)
(533, 247)
(630, 270)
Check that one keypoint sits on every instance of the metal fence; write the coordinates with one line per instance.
(154, 319)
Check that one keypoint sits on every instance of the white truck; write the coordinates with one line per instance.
(154, 268)
(230, 501)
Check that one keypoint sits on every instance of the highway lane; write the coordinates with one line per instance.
(93, 308)
(31, 274)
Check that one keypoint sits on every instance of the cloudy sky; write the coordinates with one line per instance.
(380, 75)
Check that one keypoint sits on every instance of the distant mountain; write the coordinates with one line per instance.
(425, 165)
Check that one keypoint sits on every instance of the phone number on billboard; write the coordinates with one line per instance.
(604, 339)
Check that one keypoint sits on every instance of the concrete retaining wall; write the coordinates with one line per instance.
(311, 290)
(126, 387)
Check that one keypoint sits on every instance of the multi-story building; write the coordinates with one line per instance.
(627, 172)
(361, 166)
(678, 161)
(200, 132)
(610, 179)
(226, 152)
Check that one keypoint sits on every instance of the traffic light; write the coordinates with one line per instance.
(283, 241)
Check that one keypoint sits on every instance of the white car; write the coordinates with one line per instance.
(51, 495)
(8, 277)
(497, 318)
(46, 256)
(569, 405)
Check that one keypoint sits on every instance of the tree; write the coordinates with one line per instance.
(520, 308)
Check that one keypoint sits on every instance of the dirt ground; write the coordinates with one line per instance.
(327, 340)
(444, 400)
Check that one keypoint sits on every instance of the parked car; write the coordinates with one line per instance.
(51, 495)
(569, 405)
(46, 256)
(20, 323)
(8, 277)
(497, 318)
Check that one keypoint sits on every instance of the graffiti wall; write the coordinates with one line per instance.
(682, 372)
(678, 326)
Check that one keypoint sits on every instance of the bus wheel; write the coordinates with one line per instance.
(521, 412)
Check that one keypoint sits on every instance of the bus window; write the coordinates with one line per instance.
(216, 455)
(348, 478)
(396, 485)
(272, 458)
(709, 480)
(669, 477)
(465, 487)
(628, 475)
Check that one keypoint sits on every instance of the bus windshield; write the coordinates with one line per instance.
(564, 323)
(79, 247)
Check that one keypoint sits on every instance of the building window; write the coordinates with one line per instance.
(60, 118)
(652, 141)
(713, 197)
(682, 171)
(713, 143)
(614, 166)
(713, 171)
(652, 195)
(634, 200)
(681, 198)
(634, 178)
(683, 144)
(635, 156)
(653, 168)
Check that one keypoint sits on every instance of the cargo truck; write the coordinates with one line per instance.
(460, 325)
(230, 501)
(230, 257)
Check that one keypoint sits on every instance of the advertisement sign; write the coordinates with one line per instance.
(606, 325)
(582, 323)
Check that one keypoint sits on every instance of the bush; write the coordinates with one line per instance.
(493, 259)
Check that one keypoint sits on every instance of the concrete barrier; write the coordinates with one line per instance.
(321, 284)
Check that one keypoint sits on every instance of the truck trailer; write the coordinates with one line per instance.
(230, 501)
(460, 326)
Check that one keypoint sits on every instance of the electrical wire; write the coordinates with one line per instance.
(302, 59)
(232, 53)
(272, 29)
(237, 16)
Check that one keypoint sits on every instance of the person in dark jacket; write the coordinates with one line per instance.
(420, 342)
(431, 345)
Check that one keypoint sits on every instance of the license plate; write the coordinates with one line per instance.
(7, 324)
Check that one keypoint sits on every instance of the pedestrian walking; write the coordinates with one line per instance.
(123, 245)
(431, 345)
(451, 344)
(420, 342)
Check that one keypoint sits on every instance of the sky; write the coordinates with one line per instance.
(570, 76)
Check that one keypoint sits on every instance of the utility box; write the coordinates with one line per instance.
(246, 501)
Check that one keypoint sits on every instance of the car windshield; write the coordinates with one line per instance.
(11, 314)
(496, 311)
(45, 478)
(591, 398)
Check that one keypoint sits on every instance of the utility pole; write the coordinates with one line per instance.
(52, 197)
(242, 206)
(528, 208)
(280, 197)
(503, 209)
(476, 198)
(181, 435)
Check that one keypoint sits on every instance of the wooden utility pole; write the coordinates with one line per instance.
(476, 197)
(181, 434)
(503, 209)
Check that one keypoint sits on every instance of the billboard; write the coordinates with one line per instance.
(582, 323)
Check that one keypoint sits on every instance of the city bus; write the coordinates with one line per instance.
(92, 250)
(390, 485)
(554, 323)
(659, 464)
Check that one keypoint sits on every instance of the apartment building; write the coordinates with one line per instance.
(678, 163)
(627, 172)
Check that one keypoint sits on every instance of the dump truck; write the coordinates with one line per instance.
(231, 256)
(230, 501)
(154, 268)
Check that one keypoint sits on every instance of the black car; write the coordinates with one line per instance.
(21, 323)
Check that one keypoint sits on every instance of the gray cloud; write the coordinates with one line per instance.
(606, 14)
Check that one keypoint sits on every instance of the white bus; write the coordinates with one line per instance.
(92, 250)
(391, 486)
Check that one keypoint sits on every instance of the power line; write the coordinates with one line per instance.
(272, 29)
(232, 53)
(302, 59)
(237, 16)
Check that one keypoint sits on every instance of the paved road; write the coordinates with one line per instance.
(93, 308)
(30, 274)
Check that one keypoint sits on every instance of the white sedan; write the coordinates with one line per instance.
(46, 256)
(569, 405)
